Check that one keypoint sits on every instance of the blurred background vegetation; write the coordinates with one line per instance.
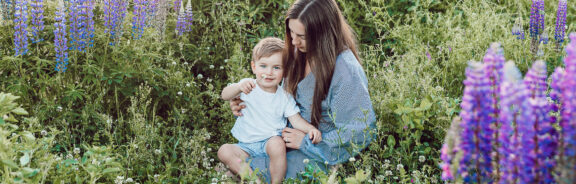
(148, 110)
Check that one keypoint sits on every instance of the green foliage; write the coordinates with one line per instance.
(149, 110)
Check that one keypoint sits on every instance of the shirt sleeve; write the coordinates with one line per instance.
(350, 110)
(291, 107)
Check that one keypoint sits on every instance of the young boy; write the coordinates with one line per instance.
(267, 108)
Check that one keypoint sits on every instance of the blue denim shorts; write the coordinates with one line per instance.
(255, 148)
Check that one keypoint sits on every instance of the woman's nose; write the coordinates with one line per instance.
(295, 41)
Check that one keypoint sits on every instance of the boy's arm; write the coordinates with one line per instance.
(300, 123)
(231, 91)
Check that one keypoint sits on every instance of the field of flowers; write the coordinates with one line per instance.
(122, 91)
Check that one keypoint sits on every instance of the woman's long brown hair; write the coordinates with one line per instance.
(327, 34)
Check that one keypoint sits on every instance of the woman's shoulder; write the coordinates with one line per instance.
(347, 64)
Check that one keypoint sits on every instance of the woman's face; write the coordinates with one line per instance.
(298, 34)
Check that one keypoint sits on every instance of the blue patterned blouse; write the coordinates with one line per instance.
(348, 114)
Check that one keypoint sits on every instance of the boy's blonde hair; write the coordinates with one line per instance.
(267, 47)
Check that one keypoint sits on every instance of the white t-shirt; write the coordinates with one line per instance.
(265, 114)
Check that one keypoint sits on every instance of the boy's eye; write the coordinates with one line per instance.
(263, 66)
(276, 68)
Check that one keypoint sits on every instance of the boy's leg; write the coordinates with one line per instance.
(234, 157)
(276, 149)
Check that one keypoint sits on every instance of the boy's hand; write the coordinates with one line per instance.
(247, 86)
(315, 135)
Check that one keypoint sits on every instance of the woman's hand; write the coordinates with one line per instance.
(293, 137)
(236, 107)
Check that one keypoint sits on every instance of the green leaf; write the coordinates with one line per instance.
(2, 121)
(20, 111)
(29, 172)
(24, 160)
(391, 141)
(10, 164)
(28, 136)
(426, 104)
(111, 170)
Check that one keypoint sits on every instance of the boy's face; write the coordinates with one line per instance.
(271, 67)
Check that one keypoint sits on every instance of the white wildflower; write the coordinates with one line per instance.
(119, 180)
(214, 180)
(186, 63)
(157, 151)
(421, 158)
(156, 177)
(129, 180)
(179, 92)
(77, 150)
(209, 149)
(209, 79)
(325, 162)
(387, 161)
(221, 67)
(59, 108)
(396, 177)
(352, 159)
(187, 84)
(211, 66)
(173, 62)
(388, 173)
(200, 76)
(226, 61)
(43, 133)
(399, 166)
(211, 160)
(305, 161)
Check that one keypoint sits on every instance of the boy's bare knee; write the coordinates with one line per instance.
(276, 144)
(224, 152)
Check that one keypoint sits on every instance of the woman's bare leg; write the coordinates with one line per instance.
(276, 149)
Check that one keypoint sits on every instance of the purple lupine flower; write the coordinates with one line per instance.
(543, 133)
(77, 25)
(189, 16)
(151, 11)
(178, 5)
(535, 80)
(544, 37)
(60, 41)
(568, 99)
(536, 23)
(20, 32)
(37, 19)
(556, 92)
(181, 23)
(518, 30)
(494, 63)
(139, 19)
(428, 55)
(476, 114)
(7, 7)
(89, 6)
(114, 14)
(449, 150)
(514, 110)
(560, 23)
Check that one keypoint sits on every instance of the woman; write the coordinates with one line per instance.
(323, 73)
